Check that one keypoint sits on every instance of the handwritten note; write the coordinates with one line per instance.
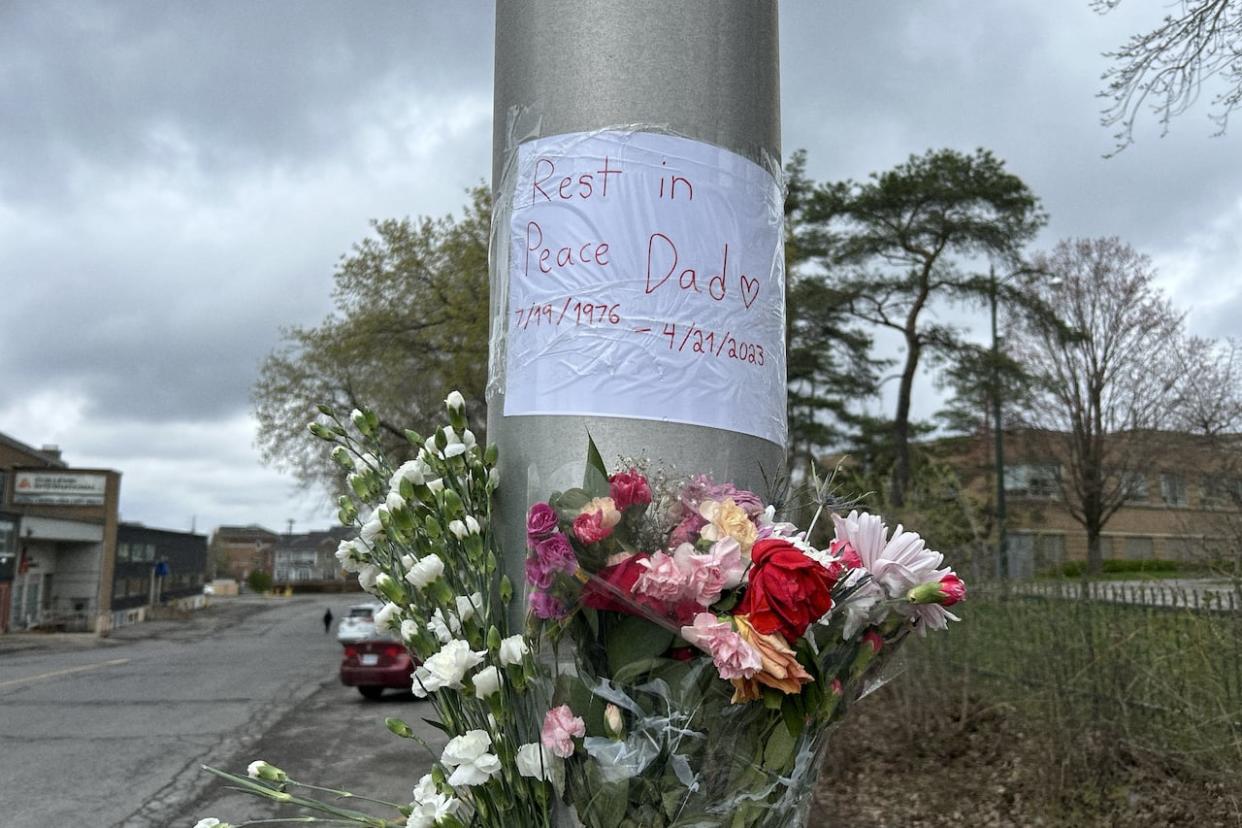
(646, 279)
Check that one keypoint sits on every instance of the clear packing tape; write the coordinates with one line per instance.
(628, 262)
(688, 756)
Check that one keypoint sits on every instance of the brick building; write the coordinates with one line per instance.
(58, 530)
(1185, 505)
(236, 551)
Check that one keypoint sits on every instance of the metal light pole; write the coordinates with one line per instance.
(997, 426)
(706, 70)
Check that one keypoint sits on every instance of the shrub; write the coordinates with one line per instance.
(259, 581)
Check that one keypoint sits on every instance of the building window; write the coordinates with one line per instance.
(1218, 490)
(1173, 489)
(1134, 487)
(1033, 480)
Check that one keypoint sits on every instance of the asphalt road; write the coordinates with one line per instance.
(113, 732)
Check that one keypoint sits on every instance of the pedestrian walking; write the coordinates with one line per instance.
(327, 620)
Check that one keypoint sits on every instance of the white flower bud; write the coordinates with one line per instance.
(472, 525)
(458, 529)
(455, 401)
(394, 502)
(262, 770)
(467, 437)
(409, 629)
(486, 682)
(513, 649)
(383, 618)
(493, 477)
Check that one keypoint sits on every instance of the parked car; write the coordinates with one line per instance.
(359, 624)
(375, 664)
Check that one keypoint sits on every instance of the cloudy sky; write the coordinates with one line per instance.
(178, 180)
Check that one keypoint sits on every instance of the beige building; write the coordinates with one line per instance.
(1184, 505)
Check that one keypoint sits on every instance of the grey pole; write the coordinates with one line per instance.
(703, 69)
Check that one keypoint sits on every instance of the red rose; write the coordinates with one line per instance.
(787, 590)
(629, 489)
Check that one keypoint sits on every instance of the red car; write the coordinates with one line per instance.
(375, 664)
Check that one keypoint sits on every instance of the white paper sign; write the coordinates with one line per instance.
(646, 279)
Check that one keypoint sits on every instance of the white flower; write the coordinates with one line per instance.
(537, 762)
(262, 770)
(897, 564)
(455, 401)
(429, 812)
(513, 649)
(372, 529)
(454, 446)
(466, 606)
(409, 628)
(414, 471)
(347, 555)
(425, 571)
(440, 629)
(458, 529)
(467, 755)
(367, 575)
(486, 682)
(436, 485)
(425, 789)
(493, 477)
(446, 668)
(467, 437)
(472, 525)
(394, 502)
(383, 618)
(430, 445)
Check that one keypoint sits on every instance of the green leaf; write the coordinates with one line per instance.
(632, 639)
(595, 479)
(609, 803)
(793, 715)
(779, 750)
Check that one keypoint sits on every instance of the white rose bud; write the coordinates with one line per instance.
(486, 682)
(513, 649)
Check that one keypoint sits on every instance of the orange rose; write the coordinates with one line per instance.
(780, 669)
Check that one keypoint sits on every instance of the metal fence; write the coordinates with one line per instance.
(1148, 671)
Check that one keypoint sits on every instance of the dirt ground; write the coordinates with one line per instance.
(985, 769)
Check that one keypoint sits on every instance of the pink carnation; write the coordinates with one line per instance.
(688, 530)
(541, 522)
(953, 588)
(845, 552)
(733, 657)
(545, 606)
(708, 575)
(550, 556)
(560, 726)
(629, 489)
(663, 579)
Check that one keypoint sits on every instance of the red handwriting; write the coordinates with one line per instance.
(672, 181)
(567, 186)
(565, 256)
(712, 343)
(571, 310)
(662, 264)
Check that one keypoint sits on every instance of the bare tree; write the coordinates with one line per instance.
(1165, 69)
(1104, 393)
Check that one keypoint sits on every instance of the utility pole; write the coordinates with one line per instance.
(646, 73)
(1002, 552)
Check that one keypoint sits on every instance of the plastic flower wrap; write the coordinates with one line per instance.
(684, 656)
(700, 650)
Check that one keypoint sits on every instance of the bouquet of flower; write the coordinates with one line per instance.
(712, 645)
(684, 655)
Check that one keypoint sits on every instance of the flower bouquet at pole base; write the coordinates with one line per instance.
(684, 654)
(699, 650)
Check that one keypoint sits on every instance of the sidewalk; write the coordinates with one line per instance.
(221, 611)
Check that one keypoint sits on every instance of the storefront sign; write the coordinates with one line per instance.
(46, 488)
